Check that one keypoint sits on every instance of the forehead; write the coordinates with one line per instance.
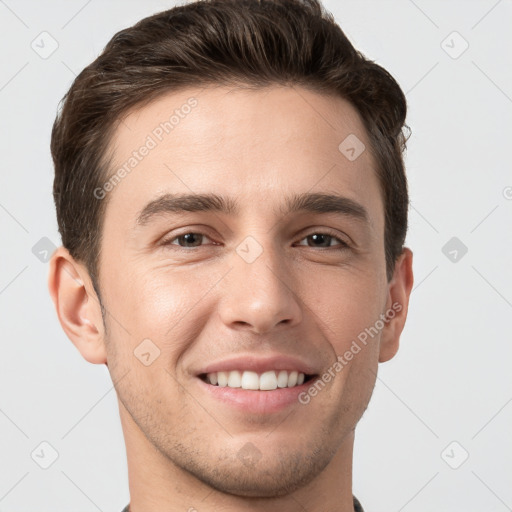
(260, 146)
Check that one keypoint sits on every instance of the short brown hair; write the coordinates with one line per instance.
(252, 42)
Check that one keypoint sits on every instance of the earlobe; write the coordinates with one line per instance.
(397, 306)
(77, 306)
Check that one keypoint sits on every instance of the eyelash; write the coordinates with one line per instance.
(341, 246)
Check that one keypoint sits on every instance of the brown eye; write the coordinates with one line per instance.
(324, 239)
(186, 240)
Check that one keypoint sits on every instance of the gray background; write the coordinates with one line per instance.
(447, 394)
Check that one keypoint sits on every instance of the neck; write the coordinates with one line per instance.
(159, 485)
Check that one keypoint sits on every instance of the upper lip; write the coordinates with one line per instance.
(259, 364)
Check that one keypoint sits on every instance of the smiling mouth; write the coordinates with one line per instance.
(249, 380)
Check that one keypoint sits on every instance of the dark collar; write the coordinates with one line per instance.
(357, 506)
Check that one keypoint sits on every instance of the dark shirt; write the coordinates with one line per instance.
(357, 506)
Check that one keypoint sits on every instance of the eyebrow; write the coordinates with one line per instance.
(168, 204)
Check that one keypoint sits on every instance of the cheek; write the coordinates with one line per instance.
(162, 304)
(346, 303)
(153, 321)
(171, 305)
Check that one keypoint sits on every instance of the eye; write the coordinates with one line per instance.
(320, 238)
(191, 240)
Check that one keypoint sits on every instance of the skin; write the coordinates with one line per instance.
(207, 303)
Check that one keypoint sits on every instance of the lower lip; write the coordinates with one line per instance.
(254, 401)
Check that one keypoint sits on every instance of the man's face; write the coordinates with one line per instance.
(259, 283)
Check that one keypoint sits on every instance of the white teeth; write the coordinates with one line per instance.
(292, 379)
(282, 379)
(250, 380)
(234, 379)
(222, 379)
(267, 381)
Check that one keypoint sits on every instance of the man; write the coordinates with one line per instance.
(232, 202)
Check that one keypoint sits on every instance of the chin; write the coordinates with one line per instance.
(258, 480)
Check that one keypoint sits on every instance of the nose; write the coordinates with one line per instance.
(259, 296)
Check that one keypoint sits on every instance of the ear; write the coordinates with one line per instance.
(77, 305)
(397, 305)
